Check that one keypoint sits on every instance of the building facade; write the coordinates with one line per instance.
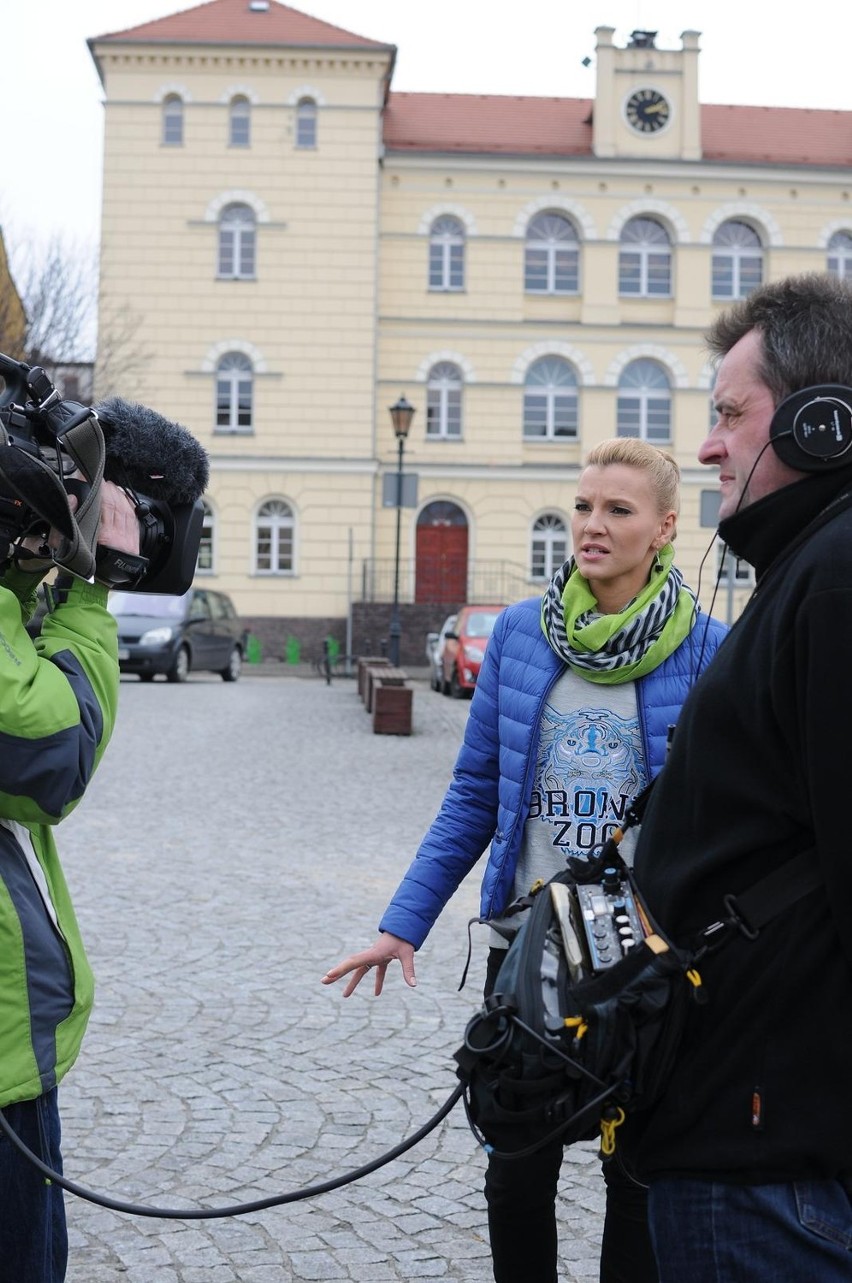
(289, 246)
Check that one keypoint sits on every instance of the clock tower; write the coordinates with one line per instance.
(646, 100)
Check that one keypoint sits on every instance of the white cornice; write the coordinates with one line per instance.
(598, 168)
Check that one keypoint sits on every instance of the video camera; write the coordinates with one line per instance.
(159, 464)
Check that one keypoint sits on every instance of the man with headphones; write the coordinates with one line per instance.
(749, 1153)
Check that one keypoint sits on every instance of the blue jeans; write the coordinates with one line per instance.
(793, 1232)
(33, 1237)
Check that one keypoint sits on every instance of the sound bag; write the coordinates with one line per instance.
(586, 1015)
(590, 1006)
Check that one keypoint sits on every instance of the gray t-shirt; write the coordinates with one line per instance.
(590, 766)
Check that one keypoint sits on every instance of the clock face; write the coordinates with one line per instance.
(647, 110)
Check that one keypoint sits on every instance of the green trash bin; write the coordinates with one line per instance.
(254, 652)
(292, 650)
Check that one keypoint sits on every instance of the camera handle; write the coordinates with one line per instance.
(37, 485)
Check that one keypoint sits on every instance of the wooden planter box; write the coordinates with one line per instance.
(392, 705)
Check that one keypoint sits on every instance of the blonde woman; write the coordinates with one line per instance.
(568, 722)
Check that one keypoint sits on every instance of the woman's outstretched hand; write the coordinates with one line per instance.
(377, 957)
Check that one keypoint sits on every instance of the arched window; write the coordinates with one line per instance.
(644, 407)
(550, 399)
(551, 256)
(444, 401)
(237, 241)
(840, 256)
(645, 259)
(737, 260)
(274, 529)
(172, 121)
(306, 123)
(239, 122)
(206, 547)
(234, 393)
(446, 254)
(548, 546)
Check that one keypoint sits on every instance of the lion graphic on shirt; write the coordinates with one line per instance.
(591, 759)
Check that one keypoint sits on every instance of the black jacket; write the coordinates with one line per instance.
(761, 770)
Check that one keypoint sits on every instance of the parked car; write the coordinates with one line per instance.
(198, 632)
(464, 648)
(435, 643)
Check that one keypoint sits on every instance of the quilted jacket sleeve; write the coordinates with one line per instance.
(58, 698)
(466, 821)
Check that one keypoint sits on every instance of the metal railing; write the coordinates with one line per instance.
(425, 582)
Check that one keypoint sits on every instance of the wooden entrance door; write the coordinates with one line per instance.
(441, 555)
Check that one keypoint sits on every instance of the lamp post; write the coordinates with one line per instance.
(401, 413)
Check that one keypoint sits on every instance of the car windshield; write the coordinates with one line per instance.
(151, 605)
(481, 624)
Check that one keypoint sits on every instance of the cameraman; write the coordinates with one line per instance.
(58, 699)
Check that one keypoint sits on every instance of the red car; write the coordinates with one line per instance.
(464, 648)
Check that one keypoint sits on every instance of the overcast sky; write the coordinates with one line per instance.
(50, 95)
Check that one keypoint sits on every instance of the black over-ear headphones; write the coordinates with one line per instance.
(811, 430)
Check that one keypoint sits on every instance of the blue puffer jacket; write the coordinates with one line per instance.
(489, 797)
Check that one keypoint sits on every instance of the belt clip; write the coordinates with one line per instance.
(737, 920)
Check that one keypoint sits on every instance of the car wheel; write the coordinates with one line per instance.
(234, 666)
(146, 677)
(456, 686)
(179, 670)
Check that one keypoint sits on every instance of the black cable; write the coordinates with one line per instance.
(236, 1209)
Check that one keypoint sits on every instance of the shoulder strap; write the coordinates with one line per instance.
(763, 901)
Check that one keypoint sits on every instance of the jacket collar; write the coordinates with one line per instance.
(760, 532)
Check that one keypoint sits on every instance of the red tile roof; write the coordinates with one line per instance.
(237, 22)
(777, 135)
(485, 123)
(490, 124)
(462, 123)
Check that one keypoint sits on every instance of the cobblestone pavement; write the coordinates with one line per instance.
(238, 840)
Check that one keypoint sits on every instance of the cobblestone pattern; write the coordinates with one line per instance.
(237, 841)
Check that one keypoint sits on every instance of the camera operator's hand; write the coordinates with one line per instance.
(119, 526)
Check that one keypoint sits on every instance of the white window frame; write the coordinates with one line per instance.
(237, 243)
(738, 253)
(548, 546)
(446, 254)
(239, 122)
(551, 244)
(206, 564)
(307, 113)
(275, 538)
(644, 393)
(551, 401)
(234, 394)
(444, 402)
(173, 121)
(743, 572)
(645, 259)
(839, 255)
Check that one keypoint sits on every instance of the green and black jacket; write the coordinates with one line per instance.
(58, 698)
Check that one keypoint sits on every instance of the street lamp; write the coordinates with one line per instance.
(401, 413)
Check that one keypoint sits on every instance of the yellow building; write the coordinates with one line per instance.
(294, 246)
